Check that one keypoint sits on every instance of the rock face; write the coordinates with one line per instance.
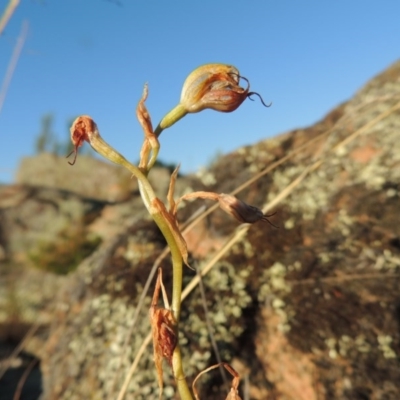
(89, 177)
(310, 310)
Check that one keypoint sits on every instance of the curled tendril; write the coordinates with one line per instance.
(265, 218)
(257, 94)
(75, 150)
(251, 93)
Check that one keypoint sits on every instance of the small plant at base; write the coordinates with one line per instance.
(233, 393)
(213, 86)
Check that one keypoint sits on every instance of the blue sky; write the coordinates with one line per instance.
(93, 57)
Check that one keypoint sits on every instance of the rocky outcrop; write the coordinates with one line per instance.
(310, 310)
(90, 177)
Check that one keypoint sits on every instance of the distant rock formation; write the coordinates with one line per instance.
(308, 311)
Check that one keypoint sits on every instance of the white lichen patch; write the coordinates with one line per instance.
(273, 287)
(297, 265)
(331, 344)
(384, 345)
(374, 175)
(273, 282)
(253, 168)
(278, 303)
(206, 177)
(392, 193)
(386, 261)
(344, 222)
(361, 344)
(248, 249)
(289, 223)
(324, 257)
(345, 344)
(311, 195)
(244, 273)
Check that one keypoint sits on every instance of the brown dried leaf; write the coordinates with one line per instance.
(151, 141)
(143, 115)
(163, 332)
(171, 190)
(233, 393)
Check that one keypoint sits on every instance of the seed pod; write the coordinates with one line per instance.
(242, 211)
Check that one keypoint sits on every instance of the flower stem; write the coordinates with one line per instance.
(177, 265)
(148, 196)
(170, 118)
(180, 378)
(111, 154)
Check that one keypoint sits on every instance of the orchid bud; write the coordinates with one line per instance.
(241, 211)
(84, 129)
(81, 131)
(214, 86)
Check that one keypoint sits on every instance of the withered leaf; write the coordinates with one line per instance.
(163, 332)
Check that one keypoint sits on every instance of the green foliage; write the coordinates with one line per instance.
(63, 254)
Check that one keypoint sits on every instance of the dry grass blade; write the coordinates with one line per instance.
(13, 62)
(8, 12)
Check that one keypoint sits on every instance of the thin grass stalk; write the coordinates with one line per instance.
(13, 62)
(8, 12)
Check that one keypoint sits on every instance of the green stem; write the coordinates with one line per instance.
(170, 118)
(180, 378)
(177, 264)
(177, 268)
(111, 154)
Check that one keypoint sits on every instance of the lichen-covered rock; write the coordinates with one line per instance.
(88, 177)
(33, 218)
